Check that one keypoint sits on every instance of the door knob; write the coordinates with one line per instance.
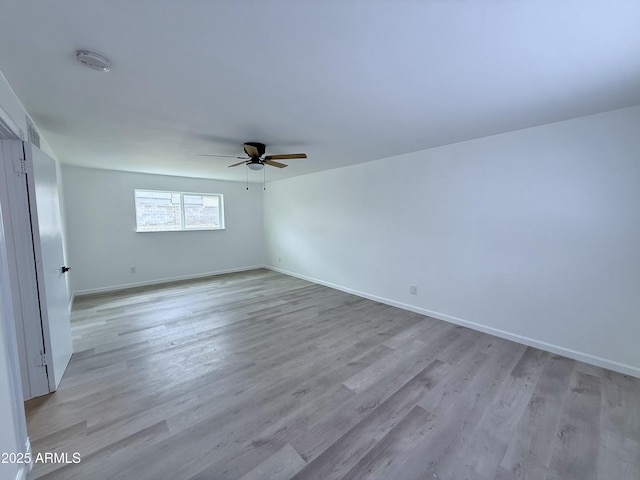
(65, 269)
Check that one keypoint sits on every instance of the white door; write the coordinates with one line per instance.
(22, 271)
(50, 268)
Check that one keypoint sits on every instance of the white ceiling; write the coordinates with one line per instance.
(344, 81)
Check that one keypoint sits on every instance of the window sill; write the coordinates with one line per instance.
(182, 230)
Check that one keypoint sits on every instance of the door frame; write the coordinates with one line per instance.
(10, 131)
(22, 271)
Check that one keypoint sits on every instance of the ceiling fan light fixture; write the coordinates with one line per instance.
(255, 166)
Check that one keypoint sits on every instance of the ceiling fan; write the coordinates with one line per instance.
(257, 160)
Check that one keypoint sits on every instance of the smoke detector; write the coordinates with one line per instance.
(93, 60)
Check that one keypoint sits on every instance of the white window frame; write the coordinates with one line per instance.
(182, 215)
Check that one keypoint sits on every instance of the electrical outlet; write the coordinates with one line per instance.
(413, 289)
(132, 270)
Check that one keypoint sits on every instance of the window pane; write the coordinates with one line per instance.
(157, 211)
(201, 211)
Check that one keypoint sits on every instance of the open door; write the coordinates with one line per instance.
(33, 233)
(46, 226)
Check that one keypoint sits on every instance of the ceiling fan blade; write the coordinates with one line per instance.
(275, 164)
(239, 163)
(288, 156)
(221, 156)
(251, 150)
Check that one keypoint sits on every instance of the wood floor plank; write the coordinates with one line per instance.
(530, 451)
(256, 375)
(280, 466)
(454, 418)
(575, 450)
(619, 426)
(100, 463)
(337, 460)
(484, 448)
(383, 458)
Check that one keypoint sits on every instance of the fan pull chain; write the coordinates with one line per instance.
(264, 178)
(246, 170)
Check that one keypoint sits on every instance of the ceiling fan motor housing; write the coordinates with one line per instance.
(258, 146)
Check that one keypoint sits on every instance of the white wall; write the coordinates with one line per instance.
(104, 245)
(533, 235)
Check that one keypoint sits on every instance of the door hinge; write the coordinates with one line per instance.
(20, 165)
(41, 360)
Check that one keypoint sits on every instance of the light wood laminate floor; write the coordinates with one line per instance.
(258, 375)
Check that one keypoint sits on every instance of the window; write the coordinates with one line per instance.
(178, 211)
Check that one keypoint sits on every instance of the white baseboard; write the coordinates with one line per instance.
(24, 469)
(566, 352)
(126, 286)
